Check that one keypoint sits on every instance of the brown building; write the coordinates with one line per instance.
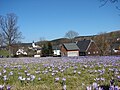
(88, 47)
(115, 48)
(69, 49)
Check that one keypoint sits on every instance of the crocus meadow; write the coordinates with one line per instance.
(60, 73)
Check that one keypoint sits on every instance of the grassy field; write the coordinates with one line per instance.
(56, 73)
(4, 53)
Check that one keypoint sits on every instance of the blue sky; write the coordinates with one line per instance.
(51, 19)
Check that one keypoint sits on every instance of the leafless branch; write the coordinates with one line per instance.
(104, 2)
(9, 28)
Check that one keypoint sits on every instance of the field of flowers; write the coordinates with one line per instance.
(60, 73)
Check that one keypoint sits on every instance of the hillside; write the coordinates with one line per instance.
(113, 35)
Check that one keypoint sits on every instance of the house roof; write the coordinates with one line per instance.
(71, 46)
(83, 45)
(57, 47)
(116, 45)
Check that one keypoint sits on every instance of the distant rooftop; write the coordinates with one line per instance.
(83, 45)
(71, 46)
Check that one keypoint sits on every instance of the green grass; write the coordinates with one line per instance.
(4, 53)
(47, 82)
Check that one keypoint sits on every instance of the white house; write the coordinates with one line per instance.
(56, 50)
(23, 47)
(21, 51)
(37, 48)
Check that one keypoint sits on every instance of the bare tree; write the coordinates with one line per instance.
(102, 43)
(104, 2)
(1, 40)
(71, 35)
(42, 41)
(9, 30)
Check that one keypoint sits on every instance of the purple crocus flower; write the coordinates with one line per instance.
(32, 77)
(112, 82)
(79, 73)
(37, 72)
(1, 87)
(74, 71)
(100, 88)
(53, 74)
(64, 87)
(28, 79)
(102, 79)
(111, 88)
(63, 79)
(39, 78)
(11, 73)
(8, 87)
(20, 77)
(88, 88)
(57, 79)
(95, 85)
(28, 74)
(0, 74)
(4, 71)
(62, 70)
(116, 88)
(5, 78)
(25, 71)
(118, 77)
(23, 79)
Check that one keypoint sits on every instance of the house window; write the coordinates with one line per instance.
(88, 52)
(94, 52)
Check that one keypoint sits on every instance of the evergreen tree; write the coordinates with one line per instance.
(47, 49)
(44, 50)
(50, 51)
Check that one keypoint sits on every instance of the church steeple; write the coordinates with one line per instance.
(33, 44)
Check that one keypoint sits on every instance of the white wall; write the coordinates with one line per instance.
(56, 52)
(36, 55)
(72, 53)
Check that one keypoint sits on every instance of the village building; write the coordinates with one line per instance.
(88, 47)
(20, 49)
(26, 49)
(69, 49)
(115, 48)
(56, 50)
(37, 49)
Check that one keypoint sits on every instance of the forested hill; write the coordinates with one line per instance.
(108, 36)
